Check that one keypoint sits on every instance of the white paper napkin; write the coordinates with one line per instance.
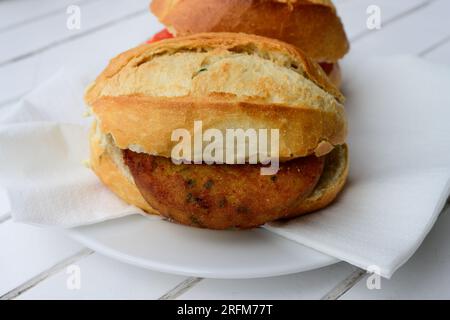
(43, 143)
(399, 120)
(399, 116)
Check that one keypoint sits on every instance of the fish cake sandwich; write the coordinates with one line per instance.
(218, 130)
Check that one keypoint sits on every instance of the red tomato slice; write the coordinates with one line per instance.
(327, 67)
(163, 34)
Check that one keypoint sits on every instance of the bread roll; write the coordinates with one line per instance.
(226, 81)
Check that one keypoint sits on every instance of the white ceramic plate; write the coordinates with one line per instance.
(167, 247)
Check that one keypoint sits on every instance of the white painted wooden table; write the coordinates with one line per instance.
(35, 42)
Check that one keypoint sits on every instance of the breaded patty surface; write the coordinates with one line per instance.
(222, 196)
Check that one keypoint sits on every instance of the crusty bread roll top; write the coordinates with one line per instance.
(225, 80)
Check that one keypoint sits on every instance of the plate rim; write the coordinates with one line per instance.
(176, 270)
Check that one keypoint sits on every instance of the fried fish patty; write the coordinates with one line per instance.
(222, 196)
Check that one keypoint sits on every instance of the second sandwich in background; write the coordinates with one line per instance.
(311, 25)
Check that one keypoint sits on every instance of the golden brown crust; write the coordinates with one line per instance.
(146, 121)
(311, 25)
(272, 50)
